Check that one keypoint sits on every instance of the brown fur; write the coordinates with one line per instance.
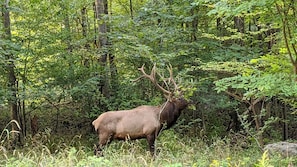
(141, 122)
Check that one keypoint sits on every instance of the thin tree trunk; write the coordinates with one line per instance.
(239, 25)
(68, 31)
(194, 23)
(101, 11)
(95, 25)
(257, 118)
(283, 11)
(219, 26)
(285, 124)
(12, 81)
(24, 118)
(84, 25)
(67, 28)
(84, 22)
(131, 9)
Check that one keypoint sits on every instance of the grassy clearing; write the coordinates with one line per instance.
(172, 150)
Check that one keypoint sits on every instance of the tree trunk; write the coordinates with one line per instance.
(239, 25)
(131, 8)
(66, 29)
(285, 123)
(101, 11)
(287, 25)
(12, 81)
(256, 109)
(219, 26)
(84, 25)
(194, 23)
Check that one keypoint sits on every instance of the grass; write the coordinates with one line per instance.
(173, 150)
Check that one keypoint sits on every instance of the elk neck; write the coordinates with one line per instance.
(169, 112)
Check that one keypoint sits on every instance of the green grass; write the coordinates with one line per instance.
(172, 151)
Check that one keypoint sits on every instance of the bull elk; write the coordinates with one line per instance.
(141, 122)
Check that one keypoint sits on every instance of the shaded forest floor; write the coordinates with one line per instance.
(69, 140)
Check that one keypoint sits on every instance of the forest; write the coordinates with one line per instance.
(63, 63)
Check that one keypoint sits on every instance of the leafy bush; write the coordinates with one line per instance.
(7, 135)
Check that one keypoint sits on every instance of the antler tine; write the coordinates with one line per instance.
(152, 78)
(142, 70)
(171, 79)
(153, 72)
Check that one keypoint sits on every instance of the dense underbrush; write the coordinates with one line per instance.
(46, 149)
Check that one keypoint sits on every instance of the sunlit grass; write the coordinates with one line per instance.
(172, 150)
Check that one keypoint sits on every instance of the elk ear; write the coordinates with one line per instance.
(95, 124)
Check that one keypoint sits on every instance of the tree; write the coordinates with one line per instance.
(287, 11)
(103, 43)
(268, 76)
(8, 48)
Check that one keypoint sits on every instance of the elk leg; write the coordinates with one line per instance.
(151, 143)
(104, 139)
(97, 150)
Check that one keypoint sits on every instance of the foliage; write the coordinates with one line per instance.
(173, 150)
(6, 135)
(262, 77)
(263, 162)
(269, 75)
(214, 46)
(254, 83)
(268, 85)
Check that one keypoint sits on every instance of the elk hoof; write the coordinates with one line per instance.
(98, 151)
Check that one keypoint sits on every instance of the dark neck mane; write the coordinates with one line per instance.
(169, 114)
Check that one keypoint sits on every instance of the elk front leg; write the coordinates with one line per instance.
(151, 143)
(98, 150)
(104, 139)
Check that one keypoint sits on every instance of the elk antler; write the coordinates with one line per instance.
(171, 79)
(152, 78)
